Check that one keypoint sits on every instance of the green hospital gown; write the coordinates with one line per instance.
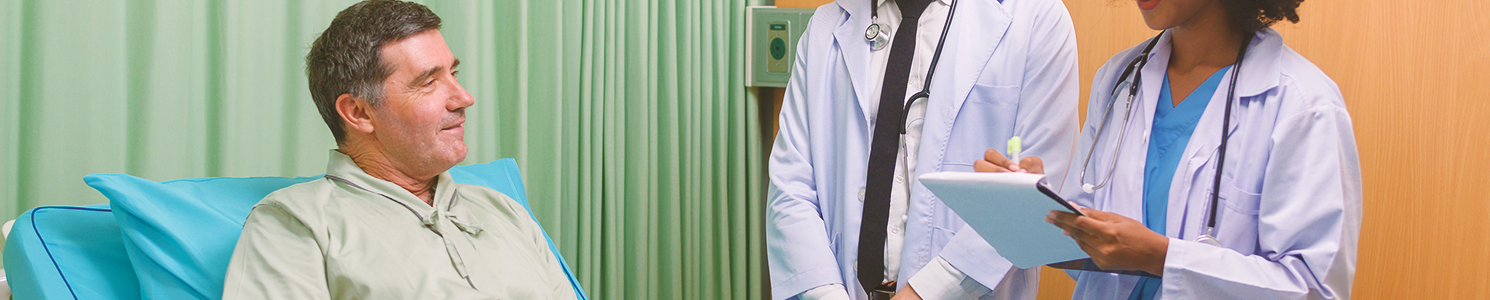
(354, 236)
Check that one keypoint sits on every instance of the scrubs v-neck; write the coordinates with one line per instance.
(1172, 128)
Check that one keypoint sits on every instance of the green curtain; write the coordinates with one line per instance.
(639, 143)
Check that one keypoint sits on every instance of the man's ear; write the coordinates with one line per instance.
(355, 113)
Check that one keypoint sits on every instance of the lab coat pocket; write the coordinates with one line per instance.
(993, 103)
(1239, 200)
(985, 121)
(1237, 223)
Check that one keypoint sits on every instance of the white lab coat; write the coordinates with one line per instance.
(1290, 207)
(1008, 69)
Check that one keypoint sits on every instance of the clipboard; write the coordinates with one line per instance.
(1008, 210)
(1086, 264)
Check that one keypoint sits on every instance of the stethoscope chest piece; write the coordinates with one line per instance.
(877, 36)
(1208, 240)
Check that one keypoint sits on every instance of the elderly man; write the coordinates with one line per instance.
(387, 221)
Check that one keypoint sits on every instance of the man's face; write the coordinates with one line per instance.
(421, 124)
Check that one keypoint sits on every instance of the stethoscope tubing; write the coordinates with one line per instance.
(1122, 135)
(936, 57)
(1134, 68)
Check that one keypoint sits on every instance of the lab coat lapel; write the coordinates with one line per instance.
(1260, 70)
(1200, 153)
(1259, 73)
(849, 37)
(977, 29)
(1128, 177)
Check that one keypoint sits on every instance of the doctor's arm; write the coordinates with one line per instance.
(1308, 222)
(1046, 120)
(799, 253)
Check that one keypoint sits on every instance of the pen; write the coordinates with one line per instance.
(1014, 149)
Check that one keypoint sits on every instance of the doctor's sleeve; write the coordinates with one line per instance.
(1309, 218)
(1045, 120)
(277, 257)
(798, 251)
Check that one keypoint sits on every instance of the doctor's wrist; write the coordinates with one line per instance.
(1157, 253)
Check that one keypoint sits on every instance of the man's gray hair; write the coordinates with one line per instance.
(346, 58)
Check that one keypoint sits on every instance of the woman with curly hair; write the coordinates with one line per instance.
(1215, 163)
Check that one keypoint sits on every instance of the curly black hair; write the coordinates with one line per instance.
(1254, 15)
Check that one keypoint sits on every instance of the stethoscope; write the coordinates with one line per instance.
(1134, 69)
(878, 38)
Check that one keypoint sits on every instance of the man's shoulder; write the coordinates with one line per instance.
(299, 198)
(486, 195)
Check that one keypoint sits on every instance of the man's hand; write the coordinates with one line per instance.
(1115, 242)
(906, 293)
(995, 162)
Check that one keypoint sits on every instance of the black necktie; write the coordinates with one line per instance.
(884, 147)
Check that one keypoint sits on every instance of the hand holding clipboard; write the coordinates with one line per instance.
(1009, 210)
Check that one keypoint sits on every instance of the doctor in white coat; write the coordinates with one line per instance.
(1287, 209)
(1008, 68)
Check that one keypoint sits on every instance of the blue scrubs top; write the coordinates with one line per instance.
(1173, 125)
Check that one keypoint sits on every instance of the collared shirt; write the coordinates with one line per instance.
(354, 236)
(928, 33)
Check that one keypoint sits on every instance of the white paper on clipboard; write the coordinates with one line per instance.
(1008, 210)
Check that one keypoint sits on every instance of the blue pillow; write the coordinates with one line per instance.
(69, 252)
(180, 234)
